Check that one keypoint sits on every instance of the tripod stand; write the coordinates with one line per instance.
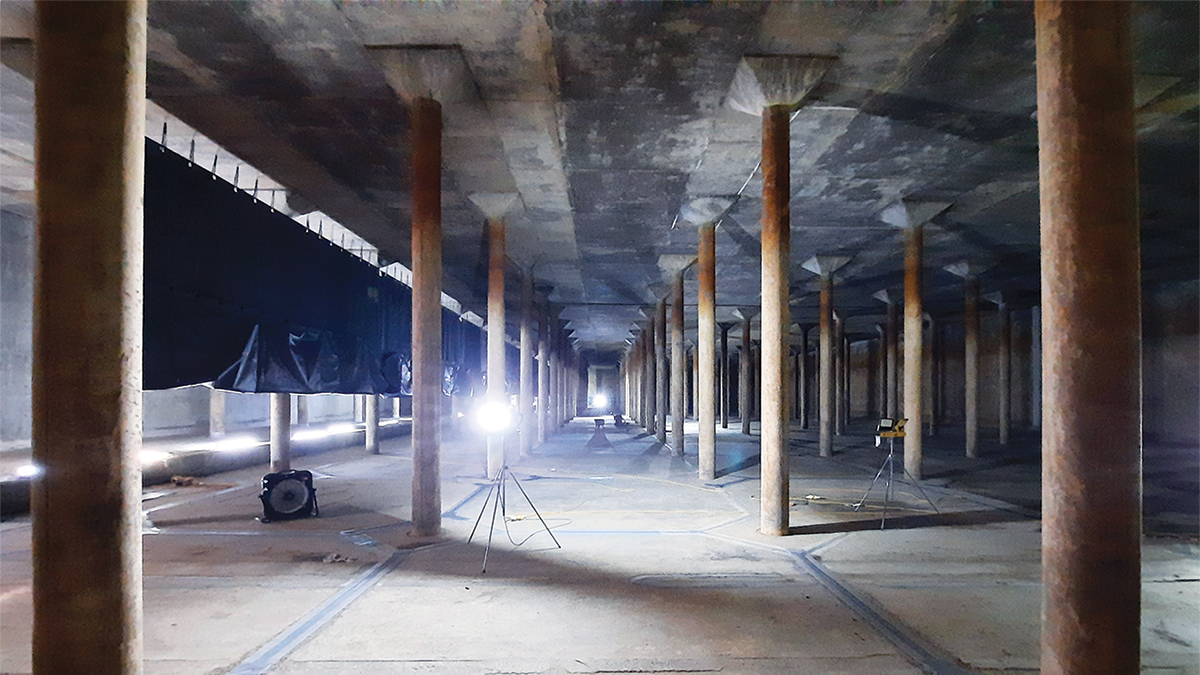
(889, 463)
(500, 504)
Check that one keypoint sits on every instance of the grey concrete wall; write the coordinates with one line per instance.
(175, 412)
(16, 327)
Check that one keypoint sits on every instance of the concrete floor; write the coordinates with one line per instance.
(658, 572)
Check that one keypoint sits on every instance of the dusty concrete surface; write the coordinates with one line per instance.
(658, 571)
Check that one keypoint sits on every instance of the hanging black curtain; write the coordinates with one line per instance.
(242, 296)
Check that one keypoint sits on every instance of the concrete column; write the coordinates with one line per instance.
(281, 432)
(425, 119)
(913, 347)
(525, 400)
(725, 377)
(543, 376)
(496, 331)
(1091, 292)
(678, 366)
(839, 379)
(893, 361)
(935, 375)
(1004, 364)
(971, 364)
(745, 366)
(651, 384)
(911, 216)
(371, 415)
(756, 380)
(396, 407)
(695, 383)
(776, 319)
(825, 393)
(216, 413)
(661, 374)
(87, 338)
(803, 377)
(301, 403)
(845, 380)
(1035, 367)
(649, 377)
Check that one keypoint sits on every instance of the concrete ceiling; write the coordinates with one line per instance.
(606, 118)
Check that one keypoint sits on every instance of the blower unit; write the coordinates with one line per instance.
(288, 495)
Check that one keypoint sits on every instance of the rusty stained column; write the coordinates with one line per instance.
(525, 400)
(661, 374)
(803, 377)
(371, 428)
(1035, 367)
(495, 339)
(87, 338)
(776, 318)
(426, 120)
(543, 376)
(678, 366)
(913, 348)
(825, 392)
(725, 375)
(745, 366)
(893, 361)
(1091, 294)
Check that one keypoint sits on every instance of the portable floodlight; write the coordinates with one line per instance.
(600, 401)
(494, 417)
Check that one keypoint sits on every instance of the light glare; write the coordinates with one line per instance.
(493, 417)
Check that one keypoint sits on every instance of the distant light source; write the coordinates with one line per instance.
(493, 417)
(154, 457)
(29, 470)
(600, 401)
(233, 444)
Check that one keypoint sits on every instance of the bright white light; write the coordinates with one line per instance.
(389, 422)
(600, 401)
(493, 417)
(29, 470)
(346, 428)
(237, 443)
(309, 434)
(154, 457)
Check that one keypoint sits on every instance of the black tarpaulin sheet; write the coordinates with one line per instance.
(243, 296)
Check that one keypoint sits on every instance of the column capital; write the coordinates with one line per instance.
(825, 265)
(763, 80)
(999, 298)
(705, 210)
(887, 297)
(909, 212)
(746, 313)
(967, 269)
(438, 73)
(494, 204)
(673, 264)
